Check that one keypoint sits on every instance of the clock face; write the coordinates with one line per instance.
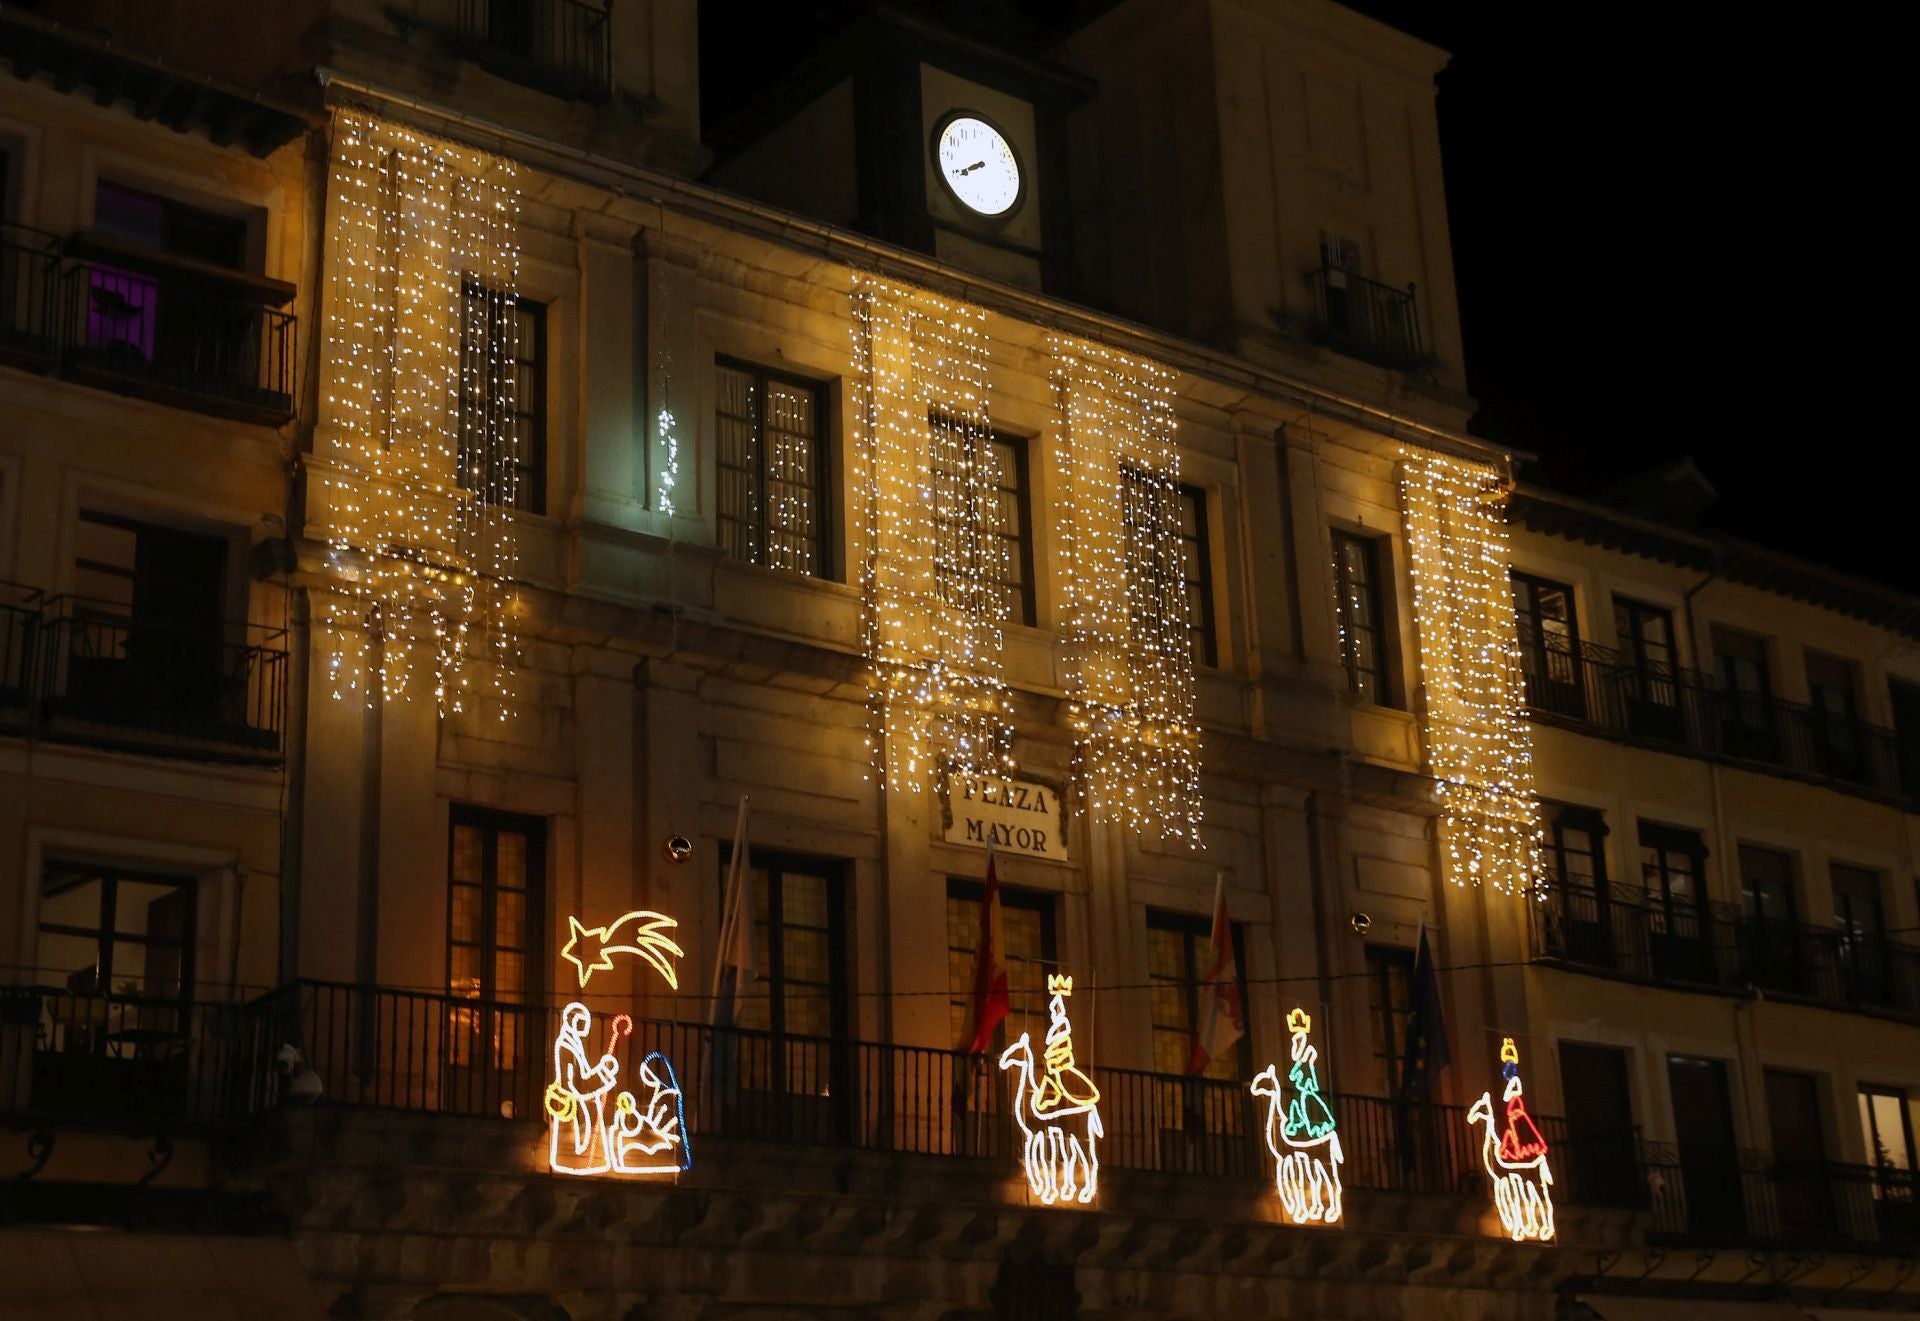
(978, 165)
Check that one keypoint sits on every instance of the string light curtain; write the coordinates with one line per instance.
(1129, 661)
(934, 612)
(417, 414)
(1479, 745)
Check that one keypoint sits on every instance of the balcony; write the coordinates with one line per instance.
(1365, 319)
(143, 322)
(1637, 935)
(121, 1061)
(1600, 691)
(29, 261)
(19, 629)
(102, 678)
(560, 46)
(1708, 1195)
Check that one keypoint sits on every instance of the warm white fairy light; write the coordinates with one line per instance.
(1479, 745)
(417, 412)
(935, 614)
(1129, 660)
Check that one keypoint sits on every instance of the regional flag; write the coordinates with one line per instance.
(990, 1003)
(1223, 1019)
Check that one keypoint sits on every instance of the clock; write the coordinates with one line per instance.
(978, 165)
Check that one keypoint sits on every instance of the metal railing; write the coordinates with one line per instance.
(1605, 691)
(106, 678)
(1643, 936)
(1709, 1193)
(29, 261)
(179, 335)
(20, 613)
(446, 1054)
(146, 1062)
(1365, 318)
(561, 46)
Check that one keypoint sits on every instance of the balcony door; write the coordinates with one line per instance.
(1747, 726)
(1771, 942)
(1833, 718)
(1887, 1122)
(144, 634)
(1709, 1159)
(1866, 972)
(1673, 870)
(1652, 670)
(1803, 1190)
(495, 1056)
(1601, 1142)
(1027, 949)
(1550, 646)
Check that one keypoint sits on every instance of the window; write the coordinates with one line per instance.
(798, 942)
(1196, 575)
(1014, 564)
(1577, 869)
(1886, 1128)
(1602, 1145)
(503, 443)
(772, 465)
(1361, 605)
(1772, 944)
(1179, 955)
(1905, 700)
(1027, 936)
(156, 576)
(1652, 674)
(1673, 869)
(1834, 717)
(160, 223)
(1746, 714)
(116, 931)
(1866, 964)
(1549, 645)
(496, 906)
(1389, 1001)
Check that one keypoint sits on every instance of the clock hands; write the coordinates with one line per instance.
(977, 165)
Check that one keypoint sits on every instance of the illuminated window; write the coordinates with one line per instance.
(505, 344)
(1013, 566)
(1026, 934)
(1886, 1129)
(798, 995)
(1179, 954)
(1360, 600)
(1389, 1001)
(496, 935)
(772, 468)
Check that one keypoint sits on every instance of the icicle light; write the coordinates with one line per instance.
(1479, 745)
(416, 413)
(1129, 666)
(935, 614)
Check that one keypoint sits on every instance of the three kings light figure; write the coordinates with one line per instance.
(595, 1125)
(1057, 1107)
(1516, 1157)
(1302, 1133)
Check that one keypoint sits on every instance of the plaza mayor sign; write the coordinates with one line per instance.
(1014, 816)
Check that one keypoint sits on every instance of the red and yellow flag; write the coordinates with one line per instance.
(989, 972)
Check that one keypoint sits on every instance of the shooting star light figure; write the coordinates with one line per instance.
(591, 949)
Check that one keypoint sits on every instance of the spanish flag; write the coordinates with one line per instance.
(989, 973)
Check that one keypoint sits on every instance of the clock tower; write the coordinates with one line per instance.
(922, 136)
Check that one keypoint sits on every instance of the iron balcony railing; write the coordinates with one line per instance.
(1653, 938)
(1607, 692)
(107, 678)
(1366, 319)
(20, 615)
(117, 1059)
(29, 263)
(1706, 1192)
(154, 328)
(560, 46)
(446, 1054)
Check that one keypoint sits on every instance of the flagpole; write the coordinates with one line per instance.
(730, 905)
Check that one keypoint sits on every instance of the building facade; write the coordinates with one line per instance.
(447, 492)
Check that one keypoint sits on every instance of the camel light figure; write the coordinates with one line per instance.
(1302, 1133)
(1516, 1160)
(1057, 1108)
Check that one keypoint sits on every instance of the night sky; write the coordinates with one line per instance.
(1674, 232)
